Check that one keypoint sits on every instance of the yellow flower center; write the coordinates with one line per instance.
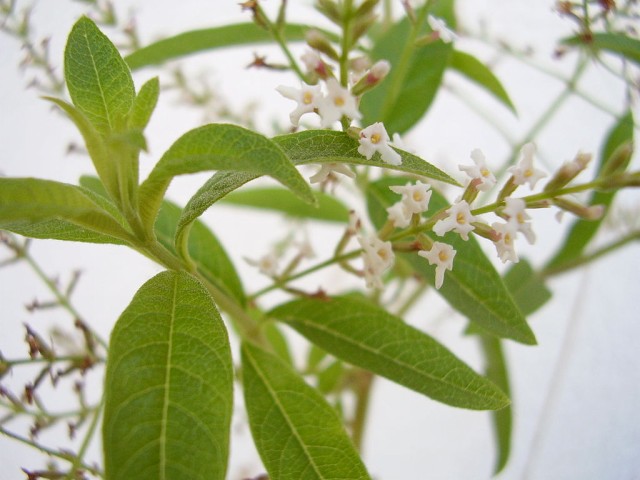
(417, 196)
(375, 138)
(382, 253)
(507, 239)
(442, 255)
(528, 172)
(339, 101)
(484, 172)
(307, 98)
(461, 218)
(520, 218)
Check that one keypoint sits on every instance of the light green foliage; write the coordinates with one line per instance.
(298, 435)
(616, 43)
(144, 104)
(476, 71)
(367, 336)
(474, 287)
(168, 385)
(527, 287)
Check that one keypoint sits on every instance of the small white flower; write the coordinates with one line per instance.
(399, 215)
(441, 255)
(506, 244)
(414, 197)
(515, 209)
(480, 171)
(378, 71)
(328, 169)
(444, 32)
(378, 257)
(374, 139)
(312, 61)
(459, 219)
(336, 103)
(308, 97)
(267, 264)
(524, 172)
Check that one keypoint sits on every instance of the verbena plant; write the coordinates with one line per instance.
(168, 395)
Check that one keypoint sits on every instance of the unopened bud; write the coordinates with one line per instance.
(362, 26)
(593, 212)
(373, 77)
(485, 231)
(330, 9)
(318, 41)
(315, 66)
(568, 172)
(618, 160)
(366, 7)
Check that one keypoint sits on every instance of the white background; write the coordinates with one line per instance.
(575, 395)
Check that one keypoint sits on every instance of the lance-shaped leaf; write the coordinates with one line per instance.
(365, 335)
(195, 41)
(169, 385)
(527, 287)
(473, 287)
(98, 79)
(616, 43)
(582, 231)
(297, 434)
(219, 147)
(144, 104)
(52, 206)
(476, 71)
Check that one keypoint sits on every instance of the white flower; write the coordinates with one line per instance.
(374, 139)
(515, 209)
(378, 71)
(524, 172)
(399, 215)
(414, 197)
(267, 264)
(328, 169)
(312, 61)
(336, 103)
(506, 244)
(459, 219)
(479, 171)
(308, 98)
(378, 257)
(444, 33)
(441, 255)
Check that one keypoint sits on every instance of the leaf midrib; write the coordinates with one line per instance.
(85, 35)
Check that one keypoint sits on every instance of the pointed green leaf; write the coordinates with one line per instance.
(45, 204)
(98, 79)
(496, 371)
(527, 287)
(297, 434)
(169, 385)
(582, 231)
(144, 104)
(473, 287)
(220, 147)
(329, 208)
(616, 43)
(205, 250)
(476, 71)
(195, 41)
(404, 96)
(367, 336)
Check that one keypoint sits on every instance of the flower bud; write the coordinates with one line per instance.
(568, 172)
(618, 160)
(373, 77)
(330, 9)
(592, 212)
(318, 41)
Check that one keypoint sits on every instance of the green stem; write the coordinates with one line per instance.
(363, 396)
(347, 13)
(77, 461)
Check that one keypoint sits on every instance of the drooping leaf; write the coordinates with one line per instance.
(474, 287)
(196, 41)
(219, 147)
(616, 43)
(329, 208)
(476, 71)
(496, 371)
(582, 231)
(98, 79)
(297, 434)
(169, 385)
(405, 95)
(44, 206)
(205, 250)
(144, 104)
(367, 336)
(528, 289)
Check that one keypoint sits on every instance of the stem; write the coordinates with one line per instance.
(363, 395)
(346, 42)
(77, 461)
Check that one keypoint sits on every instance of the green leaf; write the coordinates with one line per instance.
(367, 336)
(582, 231)
(616, 43)
(205, 250)
(196, 41)
(219, 147)
(402, 99)
(144, 104)
(474, 287)
(496, 371)
(329, 208)
(98, 79)
(169, 385)
(297, 434)
(57, 208)
(528, 289)
(476, 71)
